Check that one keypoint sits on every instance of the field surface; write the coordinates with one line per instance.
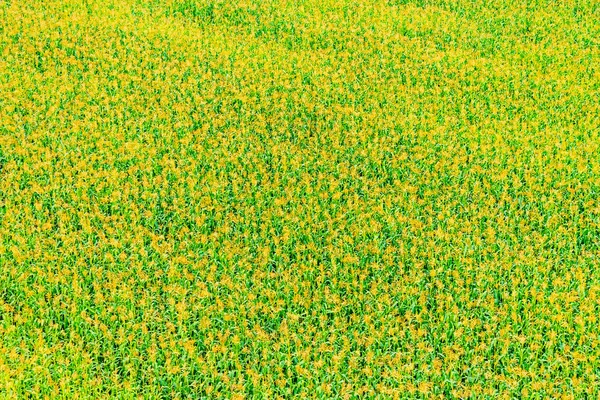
(299, 199)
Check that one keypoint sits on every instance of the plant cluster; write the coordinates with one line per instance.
(299, 199)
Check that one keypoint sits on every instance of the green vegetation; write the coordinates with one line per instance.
(307, 199)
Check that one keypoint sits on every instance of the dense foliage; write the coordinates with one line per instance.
(313, 198)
